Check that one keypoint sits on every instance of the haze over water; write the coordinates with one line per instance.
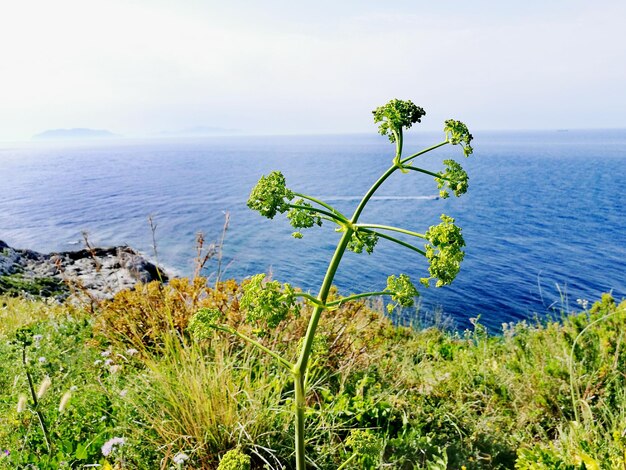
(543, 209)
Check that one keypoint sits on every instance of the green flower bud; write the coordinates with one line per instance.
(396, 115)
(268, 301)
(270, 195)
(404, 292)
(302, 218)
(365, 444)
(234, 459)
(202, 324)
(456, 180)
(458, 134)
(444, 251)
(362, 240)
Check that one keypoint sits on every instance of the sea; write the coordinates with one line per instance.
(544, 219)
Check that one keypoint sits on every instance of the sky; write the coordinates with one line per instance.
(140, 67)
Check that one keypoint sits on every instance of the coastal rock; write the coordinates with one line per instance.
(94, 273)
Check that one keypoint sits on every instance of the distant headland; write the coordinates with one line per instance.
(74, 134)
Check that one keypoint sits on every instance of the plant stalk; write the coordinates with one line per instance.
(42, 421)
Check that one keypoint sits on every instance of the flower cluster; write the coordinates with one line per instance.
(303, 217)
(453, 178)
(444, 252)
(112, 445)
(366, 445)
(270, 195)
(396, 115)
(234, 459)
(362, 240)
(202, 324)
(268, 301)
(180, 458)
(404, 292)
(458, 134)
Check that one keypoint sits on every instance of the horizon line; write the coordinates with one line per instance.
(120, 137)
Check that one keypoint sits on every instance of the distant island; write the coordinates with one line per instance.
(74, 134)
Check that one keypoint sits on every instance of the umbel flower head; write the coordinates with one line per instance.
(395, 116)
(444, 252)
(234, 459)
(454, 178)
(404, 292)
(361, 240)
(458, 134)
(270, 195)
(203, 323)
(366, 445)
(268, 301)
(300, 218)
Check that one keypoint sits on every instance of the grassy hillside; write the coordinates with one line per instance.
(130, 389)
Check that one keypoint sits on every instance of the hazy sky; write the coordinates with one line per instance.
(137, 67)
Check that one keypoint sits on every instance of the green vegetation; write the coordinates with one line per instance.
(269, 301)
(17, 284)
(138, 393)
(149, 379)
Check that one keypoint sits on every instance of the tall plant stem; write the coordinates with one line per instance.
(299, 371)
(300, 368)
(42, 421)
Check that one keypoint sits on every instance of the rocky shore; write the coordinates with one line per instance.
(96, 273)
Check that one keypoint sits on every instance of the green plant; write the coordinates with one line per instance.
(270, 302)
(234, 459)
(24, 337)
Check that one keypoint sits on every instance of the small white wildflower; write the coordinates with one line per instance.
(64, 401)
(583, 303)
(180, 458)
(73, 388)
(38, 338)
(21, 403)
(106, 353)
(42, 360)
(123, 393)
(131, 351)
(114, 369)
(111, 445)
(108, 362)
(97, 362)
(103, 418)
(43, 387)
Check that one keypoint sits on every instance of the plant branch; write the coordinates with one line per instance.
(370, 193)
(426, 172)
(393, 229)
(310, 298)
(284, 362)
(358, 296)
(350, 459)
(395, 240)
(422, 152)
(331, 215)
(323, 204)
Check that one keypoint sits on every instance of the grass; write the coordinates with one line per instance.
(18, 284)
(537, 396)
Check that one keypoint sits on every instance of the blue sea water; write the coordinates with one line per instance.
(544, 219)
